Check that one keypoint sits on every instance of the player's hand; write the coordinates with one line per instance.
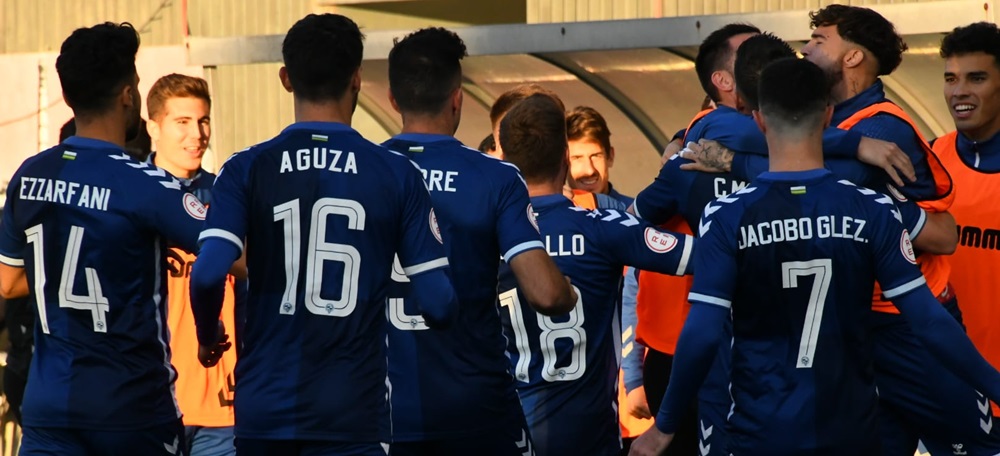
(209, 355)
(651, 443)
(889, 157)
(708, 156)
(637, 405)
(672, 149)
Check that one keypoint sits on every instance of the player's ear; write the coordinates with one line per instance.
(723, 80)
(392, 101)
(285, 82)
(827, 116)
(153, 128)
(854, 58)
(759, 120)
(457, 98)
(356, 81)
(611, 157)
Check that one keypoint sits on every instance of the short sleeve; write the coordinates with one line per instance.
(420, 248)
(896, 262)
(228, 215)
(715, 258)
(517, 230)
(12, 238)
(646, 247)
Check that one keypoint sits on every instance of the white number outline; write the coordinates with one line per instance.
(94, 301)
(320, 251)
(397, 314)
(550, 332)
(790, 273)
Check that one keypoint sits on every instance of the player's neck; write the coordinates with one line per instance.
(108, 128)
(323, 111)
(795, 154)
(853, 83)
(428, 124)
(544, 188)
(175, 171)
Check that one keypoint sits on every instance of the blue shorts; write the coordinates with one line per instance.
(210, 441)
(257, 447)
(497, 444)
(165, 440)
(712, 422)
(919, 398)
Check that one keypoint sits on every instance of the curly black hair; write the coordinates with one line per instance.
(321, 53)
(976, 37)
(866, 28)
(95, 63)
(424, 69)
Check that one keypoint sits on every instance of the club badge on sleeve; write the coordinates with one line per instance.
(659, 241)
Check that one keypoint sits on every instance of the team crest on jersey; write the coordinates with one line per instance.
(432, 220)
(906, 247)
(194, 207)
(896, 193)
(659, 241)
(531, 217)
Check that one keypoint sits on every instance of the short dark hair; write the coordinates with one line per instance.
(751, 58)
(508, 99)
(533, 137)
(976, 37)
(793, 95)
(424, 69)
(95, 63)
(867, 29)
(488, 144)
(585, 123)
(321, 53)
(714, 52)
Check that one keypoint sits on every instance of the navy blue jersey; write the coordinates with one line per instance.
(795, 257)
(566, 366)
(91, 226)
(322, 211)
(483, 213)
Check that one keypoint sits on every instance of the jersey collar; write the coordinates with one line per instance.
(322, 126)
(867, 97)
(795, 176)
(546, 201)
(425, 138)
(91, 143)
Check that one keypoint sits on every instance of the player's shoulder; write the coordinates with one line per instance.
(600, 218)
(874, 201)
(730, 207)
(143, 174)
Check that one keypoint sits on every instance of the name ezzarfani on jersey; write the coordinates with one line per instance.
(566, 366)
(91, 227)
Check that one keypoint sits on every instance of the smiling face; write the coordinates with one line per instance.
(181, 135)
(589, 166)
(972, 93)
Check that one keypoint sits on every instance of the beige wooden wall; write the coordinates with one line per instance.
(248, 103)
(42, 25)
(545, 11)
